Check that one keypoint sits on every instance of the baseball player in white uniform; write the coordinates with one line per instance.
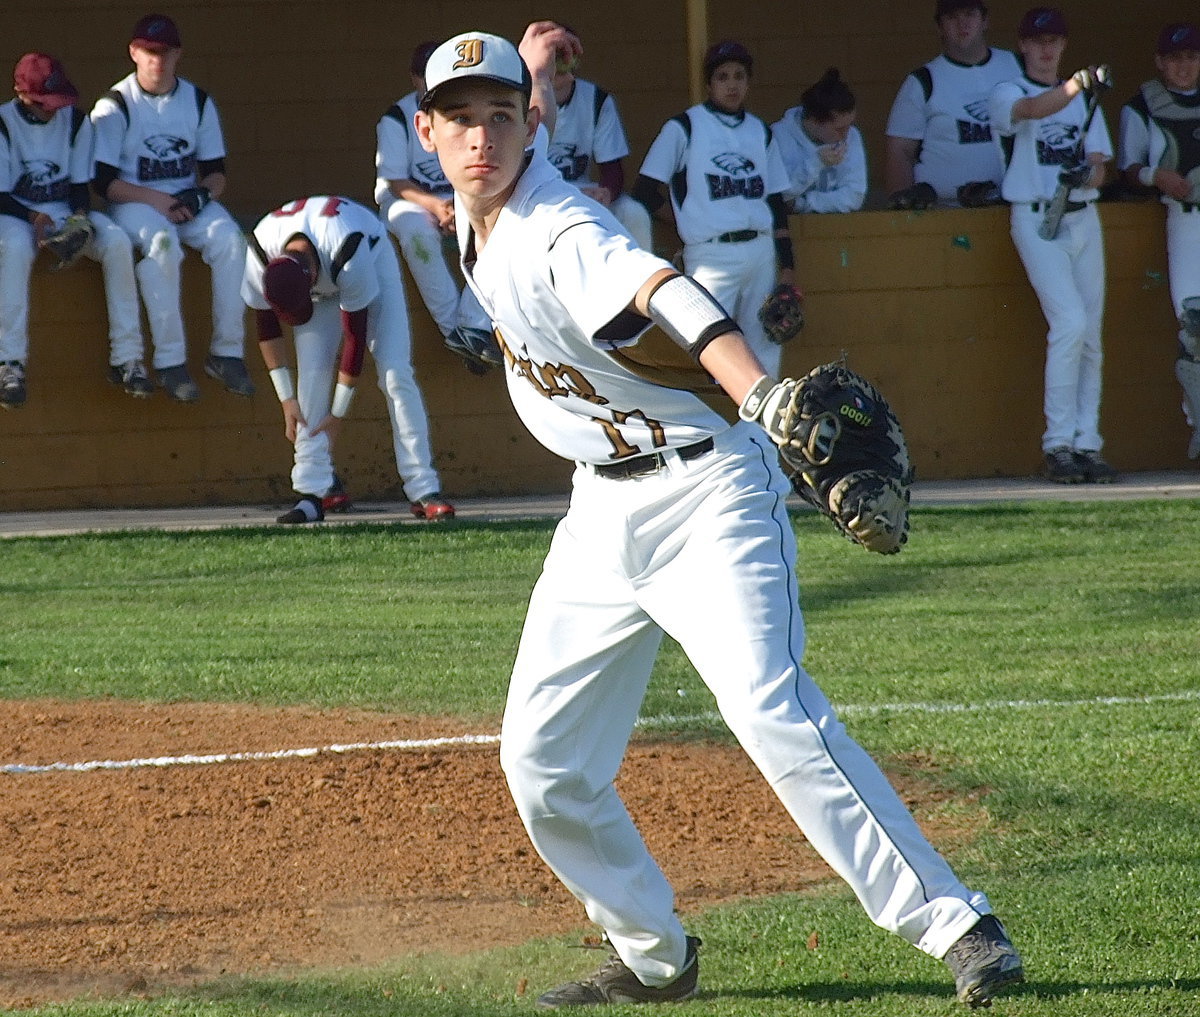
(822, 149)
(589, 145)
(677, 524)
(938, 132)
(45, 175)
(325, 266)
(726, 182)
(416, 202)
(158, 138)
(1040, 123)
(1160, 150)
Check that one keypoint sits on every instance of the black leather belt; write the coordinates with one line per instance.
(738, 236)
(1071, 206)
(640, 466)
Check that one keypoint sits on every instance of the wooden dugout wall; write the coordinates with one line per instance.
(935, 306)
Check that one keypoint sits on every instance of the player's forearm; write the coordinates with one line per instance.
(407, 189)
(122, 192)
(215, 184)
(900, 161)
(732, 364)
(1047, 103)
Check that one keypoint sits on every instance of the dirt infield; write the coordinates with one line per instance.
(138, 880)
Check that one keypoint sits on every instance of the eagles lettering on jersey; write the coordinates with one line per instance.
(42, 181)
(977, 128)
(738, 181)
(1059, 144)
(166, 161)
(569, 161)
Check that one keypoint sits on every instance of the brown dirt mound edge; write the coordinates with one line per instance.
(143, 880)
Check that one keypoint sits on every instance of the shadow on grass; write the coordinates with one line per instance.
(860, 991)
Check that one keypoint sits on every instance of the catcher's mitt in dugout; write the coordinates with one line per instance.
(782, 314)
(844, 449)
(68, 241)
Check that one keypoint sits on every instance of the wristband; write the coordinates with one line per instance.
(784, 255)
(281, 378)
(1146, 176)
(342, 395)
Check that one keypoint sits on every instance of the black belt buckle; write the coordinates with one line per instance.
(737, 236)
(641, 466)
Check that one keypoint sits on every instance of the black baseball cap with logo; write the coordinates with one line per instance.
(156, 30)
(945, 7)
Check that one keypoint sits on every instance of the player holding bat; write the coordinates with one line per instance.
(1052, 137)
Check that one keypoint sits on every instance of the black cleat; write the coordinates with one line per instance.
(982, 962)
(615, 983)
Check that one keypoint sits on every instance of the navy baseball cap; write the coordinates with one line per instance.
(420, 57)
(475, 55)
(43, 79)
(1180, 37)
(1042, 21)
(288, 289)
(727, 52)
(156, 30)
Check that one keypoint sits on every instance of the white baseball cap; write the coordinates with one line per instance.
(475, 55)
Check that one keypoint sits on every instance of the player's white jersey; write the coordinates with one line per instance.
(40, 161)
(587, 128)
(1036, 151)
(720, 167)
(944, 105)
(399, 155)
(157, 140)
(552, 249)
(346, 237)
(1159, 127)
(813, 186)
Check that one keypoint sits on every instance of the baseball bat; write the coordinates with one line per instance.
(1048, 230)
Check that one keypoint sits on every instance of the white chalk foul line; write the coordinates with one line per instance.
(850, 709)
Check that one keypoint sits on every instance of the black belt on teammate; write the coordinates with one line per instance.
(640, 466)
(738, 236)
(1071, 206)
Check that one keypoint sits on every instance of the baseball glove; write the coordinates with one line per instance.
(68, 241)
(979, 194)
(844, 449)
(782, 314)
(193, 199)
(917, 198)
(477, 347)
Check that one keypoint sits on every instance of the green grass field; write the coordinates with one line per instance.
(1046, 652)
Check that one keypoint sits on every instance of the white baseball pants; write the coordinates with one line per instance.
(220, 242)
(1067, 274)
(421, 242)
(110, 247)
(740, 276)
(704, 551)
(317, 347)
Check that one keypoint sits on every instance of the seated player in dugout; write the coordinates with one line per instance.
(45, 175)
(677, 523)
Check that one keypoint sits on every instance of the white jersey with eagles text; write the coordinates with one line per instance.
(40, 161)
(346, 237)
(944, 105)
(556, 277)
(399, 155)
(157, 141)
(813, 186)
(587, 130)
(719, 168)
(1167, 135)
(1036, 151)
